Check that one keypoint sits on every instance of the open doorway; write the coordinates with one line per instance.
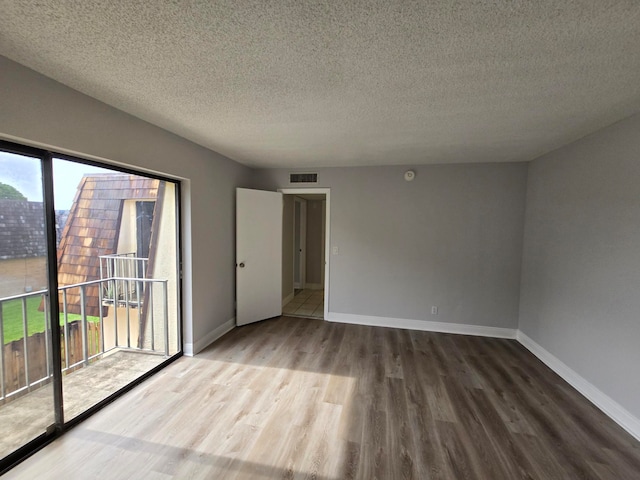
(304, 244)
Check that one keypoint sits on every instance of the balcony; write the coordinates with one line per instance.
(100, 353)
(124, 292)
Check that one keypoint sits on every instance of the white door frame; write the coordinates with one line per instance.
(302, 266)
(327, 234)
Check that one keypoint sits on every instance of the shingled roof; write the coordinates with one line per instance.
(22, 230)
(92, 229)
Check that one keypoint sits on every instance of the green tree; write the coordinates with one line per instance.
(7, 192)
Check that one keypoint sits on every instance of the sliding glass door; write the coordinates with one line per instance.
(117, 278)
(26, 393)
(108, 240)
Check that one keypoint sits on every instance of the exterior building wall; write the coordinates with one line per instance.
(110, 331)
(19, 275)
(165, 268)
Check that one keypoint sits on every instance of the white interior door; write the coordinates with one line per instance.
(258, 255)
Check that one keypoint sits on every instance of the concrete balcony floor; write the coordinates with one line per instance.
(23, 419)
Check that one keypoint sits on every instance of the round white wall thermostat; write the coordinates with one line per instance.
(409, 175)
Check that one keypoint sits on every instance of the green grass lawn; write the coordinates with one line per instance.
(12, 318)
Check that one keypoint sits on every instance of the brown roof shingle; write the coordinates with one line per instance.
(92, 230)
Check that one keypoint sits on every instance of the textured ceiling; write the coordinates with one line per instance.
(352, 82)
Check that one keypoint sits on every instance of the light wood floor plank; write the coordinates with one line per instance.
(294, 398)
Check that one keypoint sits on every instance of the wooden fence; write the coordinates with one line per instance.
(14, 364)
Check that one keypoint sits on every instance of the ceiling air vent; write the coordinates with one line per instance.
(303, 178)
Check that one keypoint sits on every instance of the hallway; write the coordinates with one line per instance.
(306, 303)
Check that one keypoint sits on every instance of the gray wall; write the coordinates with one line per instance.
(37, 110)
(581, 264)
(451, 238)
(314, 242)
(287, 246)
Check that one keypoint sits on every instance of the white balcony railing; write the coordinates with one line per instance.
(128, 292)
(92, 332)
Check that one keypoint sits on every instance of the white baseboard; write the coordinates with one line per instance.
(423, 325)
(314, 286)
(288, 298)
(610, 407)
(191, 349)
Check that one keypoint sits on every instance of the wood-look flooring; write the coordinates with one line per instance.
(296, 398)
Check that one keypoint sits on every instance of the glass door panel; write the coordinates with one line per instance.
(117, 278)
(116, 254)
(26, 380)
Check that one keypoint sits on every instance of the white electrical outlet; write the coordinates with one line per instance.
(334, 250)
(434, 310)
